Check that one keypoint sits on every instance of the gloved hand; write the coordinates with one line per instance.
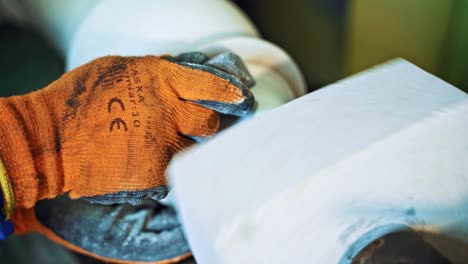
(106, 132)
(119, 233)
(111, 126)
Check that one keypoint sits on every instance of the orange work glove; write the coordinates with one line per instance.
(109, 128)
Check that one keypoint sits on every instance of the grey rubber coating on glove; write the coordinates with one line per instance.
(227, 61)
(227, 66)
(192, 57)
(131, 197)
(147, 232)
(226, 108)
(232, 64)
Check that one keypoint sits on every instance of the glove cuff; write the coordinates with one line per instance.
(8, 198)
(7, 203)
(27, 170)
(6, 227)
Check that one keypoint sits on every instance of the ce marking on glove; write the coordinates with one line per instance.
(117, 121)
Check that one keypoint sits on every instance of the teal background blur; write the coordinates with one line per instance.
(27, 61)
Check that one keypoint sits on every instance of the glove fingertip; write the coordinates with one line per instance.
(241, 108)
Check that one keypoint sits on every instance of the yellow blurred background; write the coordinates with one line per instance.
(332, 39)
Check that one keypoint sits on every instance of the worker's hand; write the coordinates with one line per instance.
(108, 129)
(124, 233)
